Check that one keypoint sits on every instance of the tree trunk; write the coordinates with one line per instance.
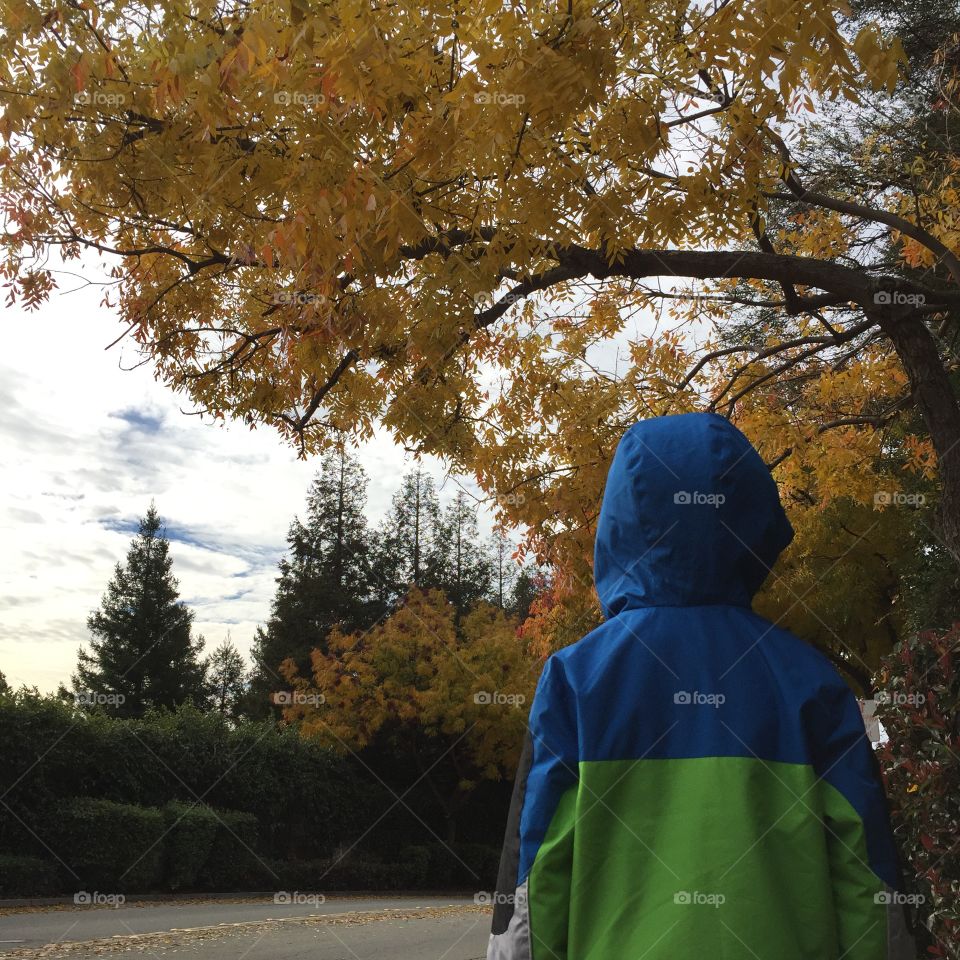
(937, 404)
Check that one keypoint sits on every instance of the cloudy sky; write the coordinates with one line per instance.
(85, 447)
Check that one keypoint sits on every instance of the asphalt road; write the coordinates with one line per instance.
(406, 928)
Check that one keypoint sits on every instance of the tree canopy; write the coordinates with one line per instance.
(463, 223)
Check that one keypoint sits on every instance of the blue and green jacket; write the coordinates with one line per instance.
(695, 782)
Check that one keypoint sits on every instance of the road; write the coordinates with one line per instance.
(399, 928)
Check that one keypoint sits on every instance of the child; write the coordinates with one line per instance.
(695, 782)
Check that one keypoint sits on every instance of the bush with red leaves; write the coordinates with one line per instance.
(918, 694)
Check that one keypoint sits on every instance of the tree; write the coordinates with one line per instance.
(467, 566)
(505, 568)
(326, 577)
(4, 686)
(412, 541)
(142, 653)
(449, 696)
(322, 218)
(226, 673)
(529, 584)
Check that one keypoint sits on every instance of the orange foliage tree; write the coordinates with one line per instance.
(452, 697)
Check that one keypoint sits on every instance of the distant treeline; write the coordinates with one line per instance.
(162, 769)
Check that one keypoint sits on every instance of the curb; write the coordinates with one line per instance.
(187, 898)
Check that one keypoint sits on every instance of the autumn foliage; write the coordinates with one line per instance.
(449, 693)
(920, 709)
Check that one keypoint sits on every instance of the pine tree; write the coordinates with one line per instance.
(505, 567)
(226, 673)
(531, 583)
(411, 547)
(467, 569)
(142, 653)
(325, 579)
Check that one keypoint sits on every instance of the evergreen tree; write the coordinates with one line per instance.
(226, 673)
(529, 584)
(142, 653)
(411, 547)
(505, 567)
(4, 686)
(467, 569)
(325, 579)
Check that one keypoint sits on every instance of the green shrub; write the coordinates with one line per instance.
(233, 863)
(413, 868)
(109, 847)
(919, 707)
(354, 873)
(28, 877)
(481, 863)
(190, 834)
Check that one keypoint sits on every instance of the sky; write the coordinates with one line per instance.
(85, 447)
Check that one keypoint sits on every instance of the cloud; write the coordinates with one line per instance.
(140, 421)
(89, 446)
(26, 516)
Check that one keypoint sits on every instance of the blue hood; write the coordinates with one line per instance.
(690, 516)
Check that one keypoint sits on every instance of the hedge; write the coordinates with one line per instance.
(416, 867)
(108, 789)
(919, 707)
(109, 847)
(190, 833)
(28, 877)
(233, 863)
